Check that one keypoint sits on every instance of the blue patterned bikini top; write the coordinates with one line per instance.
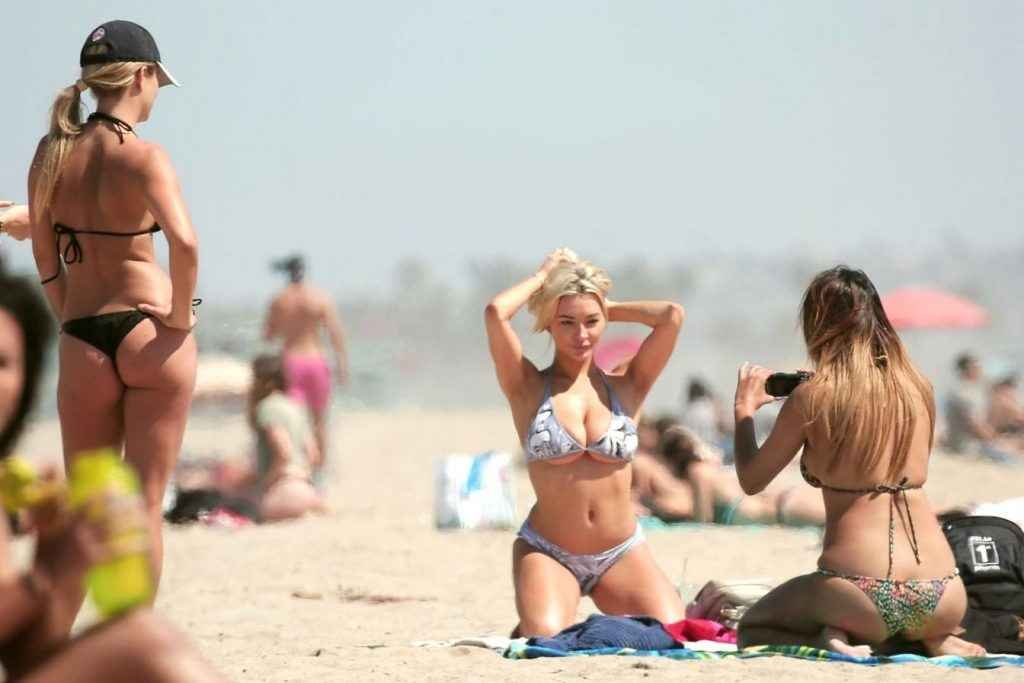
(548, 440)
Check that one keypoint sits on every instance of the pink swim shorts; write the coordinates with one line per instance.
(308, 379)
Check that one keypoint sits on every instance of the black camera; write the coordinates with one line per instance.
(783, 383)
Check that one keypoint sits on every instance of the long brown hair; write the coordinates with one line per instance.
(267, 377)
(20, 298)
(865, 388)
(66, 122)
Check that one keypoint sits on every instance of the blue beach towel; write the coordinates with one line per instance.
(521, 650)
(601, 631)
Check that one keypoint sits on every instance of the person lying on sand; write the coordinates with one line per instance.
(678, 482)
(864, 422)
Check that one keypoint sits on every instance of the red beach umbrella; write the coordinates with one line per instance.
(614, 351)
(925, 307)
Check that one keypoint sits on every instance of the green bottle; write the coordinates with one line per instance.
(126, 580)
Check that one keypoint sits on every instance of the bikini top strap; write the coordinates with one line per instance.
(72, 253)
(122, 128)
(901, 487)
(612, 398)
(61, 229)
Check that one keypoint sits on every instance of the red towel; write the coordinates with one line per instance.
(690, 630)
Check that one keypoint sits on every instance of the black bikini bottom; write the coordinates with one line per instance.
(105, 331)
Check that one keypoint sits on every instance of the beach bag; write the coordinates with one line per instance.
(727, 601)
(191, 505)
(989, 553)
(474, 492)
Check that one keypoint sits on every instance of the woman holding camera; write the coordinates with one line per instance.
(864, 422)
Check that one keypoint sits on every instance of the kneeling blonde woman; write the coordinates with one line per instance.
(578, 429)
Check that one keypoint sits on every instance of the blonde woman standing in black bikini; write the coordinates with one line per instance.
(98, 192)
(578, 428)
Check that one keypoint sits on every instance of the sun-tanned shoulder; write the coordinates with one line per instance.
(151, 155)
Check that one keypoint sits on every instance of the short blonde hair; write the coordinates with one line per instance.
(572, 276)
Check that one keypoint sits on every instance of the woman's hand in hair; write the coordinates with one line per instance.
(16, 220)
(750, 389)
(556, 257)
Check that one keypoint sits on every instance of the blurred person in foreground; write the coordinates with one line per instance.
(296, 316)
(968, 430)
(34, 643)
(864, 423)
(578, 430)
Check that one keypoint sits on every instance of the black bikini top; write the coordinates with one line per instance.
(122, 128)
(72, 251)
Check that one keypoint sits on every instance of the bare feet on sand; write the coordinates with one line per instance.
(836, 640)
(951, 645)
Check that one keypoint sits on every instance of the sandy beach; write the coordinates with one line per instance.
(344, 597)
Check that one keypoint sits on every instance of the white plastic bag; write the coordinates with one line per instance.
(474, 492)
(727, 601)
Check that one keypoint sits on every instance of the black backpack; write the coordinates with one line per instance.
(989, 553)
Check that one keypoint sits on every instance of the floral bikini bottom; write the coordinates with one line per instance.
(903, 605)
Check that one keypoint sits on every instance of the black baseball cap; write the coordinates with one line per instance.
(124, 41)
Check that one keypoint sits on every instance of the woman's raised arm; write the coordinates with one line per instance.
(506, 349)
(757, 466)
(665, 319)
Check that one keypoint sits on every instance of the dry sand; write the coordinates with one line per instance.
(342, 597)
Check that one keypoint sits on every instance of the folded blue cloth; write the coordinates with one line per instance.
(600, 631)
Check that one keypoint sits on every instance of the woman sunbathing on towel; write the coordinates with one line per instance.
(680, 480)
(578, 429)
(865, 423)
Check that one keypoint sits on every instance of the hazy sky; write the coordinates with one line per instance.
(364, 132)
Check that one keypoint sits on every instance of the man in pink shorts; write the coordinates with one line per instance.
(296, 316)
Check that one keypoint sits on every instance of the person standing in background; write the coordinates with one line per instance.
(968, 430)
(703, 415)
(296, 316)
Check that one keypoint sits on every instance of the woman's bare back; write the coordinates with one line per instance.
(857, 525)
(102, 188)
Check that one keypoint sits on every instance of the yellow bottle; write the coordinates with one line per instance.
(126, 580)
(20, 486)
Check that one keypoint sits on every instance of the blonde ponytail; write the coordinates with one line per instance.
(65, 126)
(66, 122)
